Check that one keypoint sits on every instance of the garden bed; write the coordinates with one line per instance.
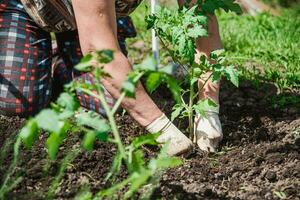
(259, 156)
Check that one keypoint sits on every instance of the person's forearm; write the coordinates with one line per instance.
(96, 23)
(141, 108)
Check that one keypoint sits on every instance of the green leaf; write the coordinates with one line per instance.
(232, 74)
(102, 136)
(29, 133)
(149, 139)
(216, 54)
(153, 81)
(89, 140)
(163, 161)
(168, 162)
(148, 64)
(137, 163)
(197, 31)
(68, 101)
(139, 180)
(85, 64)
(150, 20)
(173, 85)
(116, 166)
(65, 114)
(53, 143)
(177, 109)
(216, 76)
(169, 69)
(48, 120)
(105, 56)
(93, 120)
(129, 88)
(204, 105)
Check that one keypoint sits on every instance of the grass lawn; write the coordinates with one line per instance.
(266, 48)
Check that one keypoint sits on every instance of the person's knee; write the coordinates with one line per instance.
(23, 100)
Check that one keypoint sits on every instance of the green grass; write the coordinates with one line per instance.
(265, 47)
(282, 3)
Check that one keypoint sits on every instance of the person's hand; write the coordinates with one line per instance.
(178, 143)
(208, 130)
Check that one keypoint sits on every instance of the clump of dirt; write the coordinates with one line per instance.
(258, 158)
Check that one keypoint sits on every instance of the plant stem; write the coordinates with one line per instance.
(171, 54)
(191, 103)
(202, 87)
(118, 103)
(123, 94)
(110, 117)
(55, 183)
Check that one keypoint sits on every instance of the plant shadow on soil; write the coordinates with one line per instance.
(259, 155)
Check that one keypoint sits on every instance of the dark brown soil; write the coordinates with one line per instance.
(259, 155)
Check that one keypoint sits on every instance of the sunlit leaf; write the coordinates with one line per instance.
(148, 64)
(129, 88)
(92, 121)
(232, 74)
(89, 140)
(153, 81)
(173, 85)
(177, 109)
(68, 101)
(53, 143)
(85, 63)
(29, 133)
(204, 105)
(48, 120)
(149, 139)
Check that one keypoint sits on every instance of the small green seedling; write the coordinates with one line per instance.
(178, 31)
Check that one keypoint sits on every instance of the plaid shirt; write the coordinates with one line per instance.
(27, 81)
(58, 16)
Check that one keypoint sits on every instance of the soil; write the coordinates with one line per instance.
(258, 158)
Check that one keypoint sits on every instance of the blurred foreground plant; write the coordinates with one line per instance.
(66, 114)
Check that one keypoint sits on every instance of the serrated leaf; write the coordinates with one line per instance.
(173, 85)
(48, 120)
(105, 56)
(163, 161)
(153, 81)
(29, 133)
(177, 109)
(137, 163)
(87, 119)
(204, 105)
(129, 88)
(231, 73)
(148, 64)
(68, 101)
(66, 114)
(149, 139)
(85, 64)
(196, 32)
(217, 53)
(216, 76)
